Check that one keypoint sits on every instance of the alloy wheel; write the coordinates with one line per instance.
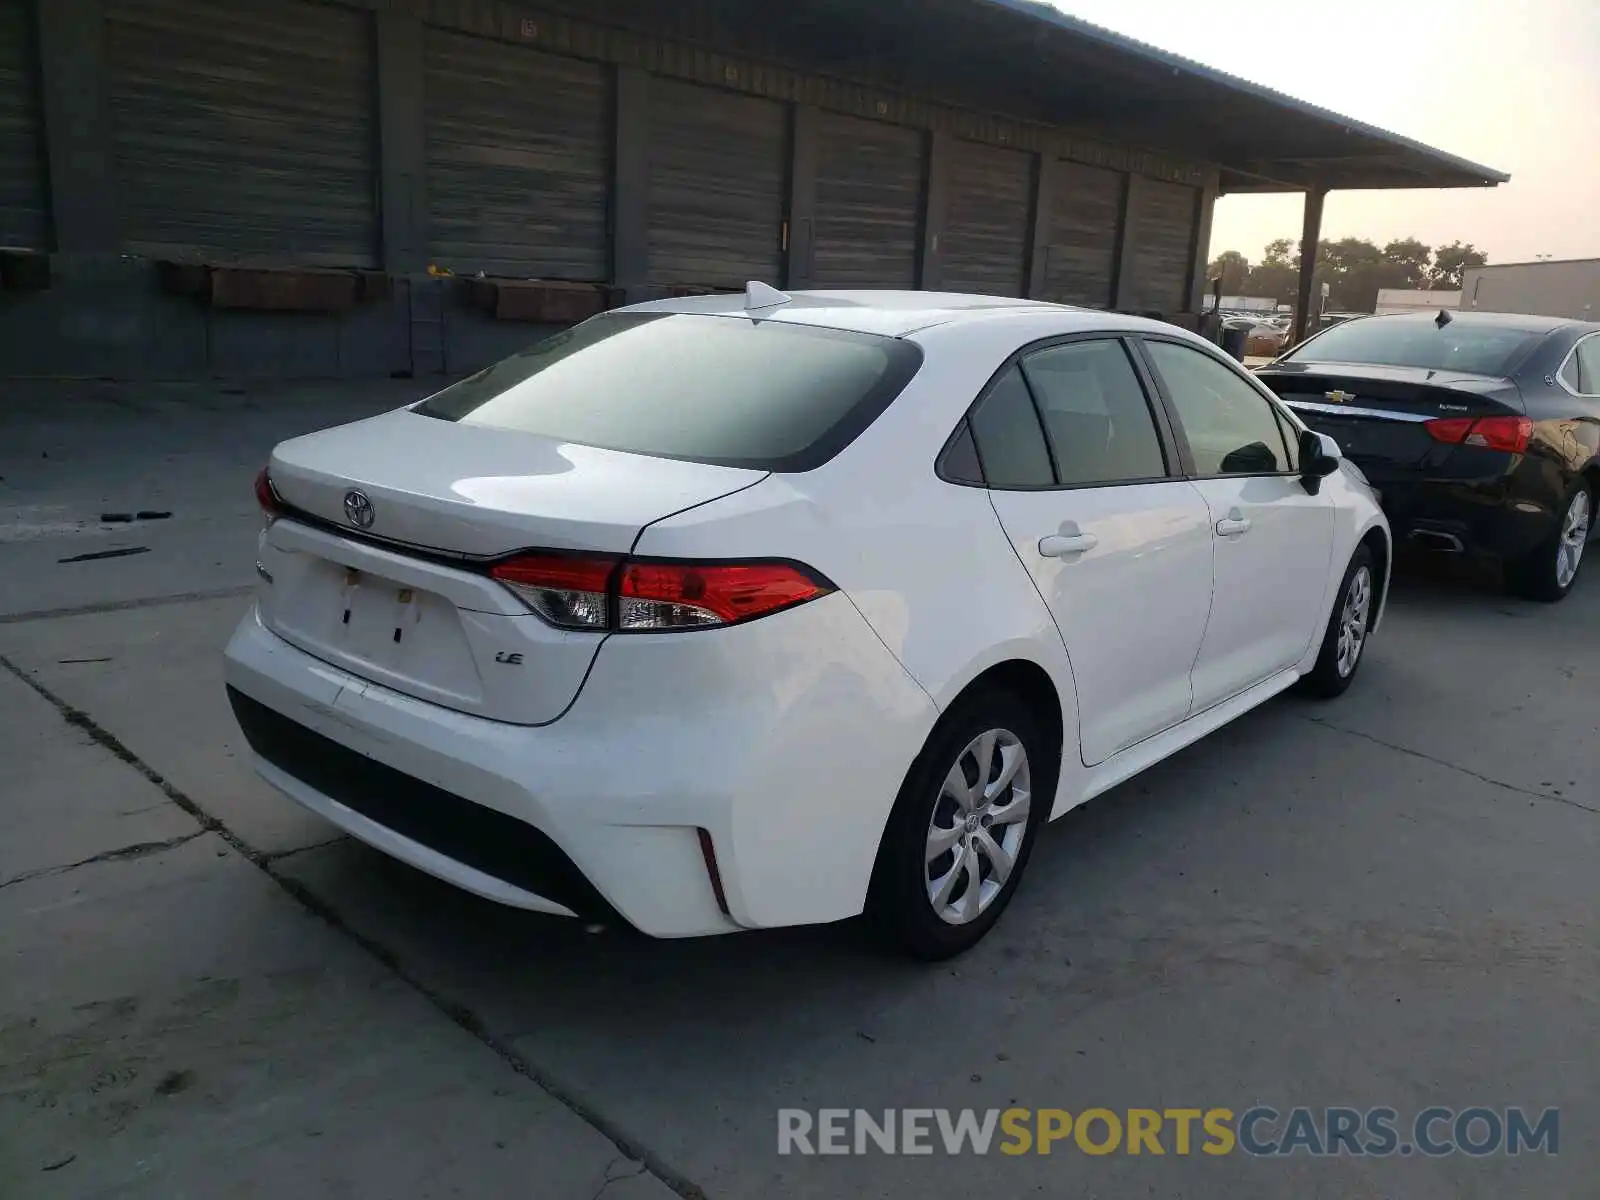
(1573, 537)
(978, 826)
(1353, 621)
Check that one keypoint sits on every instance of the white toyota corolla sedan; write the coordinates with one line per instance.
(730, 612)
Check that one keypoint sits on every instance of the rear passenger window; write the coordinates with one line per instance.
(1009, 441)
(1095, 413)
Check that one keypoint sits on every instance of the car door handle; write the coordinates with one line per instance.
(1061, 545)
(1233, 524)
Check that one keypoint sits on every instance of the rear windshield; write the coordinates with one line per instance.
(1471, 349)
(725, 390)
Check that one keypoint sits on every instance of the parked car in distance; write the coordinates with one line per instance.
(731, 612)
(1481, 431)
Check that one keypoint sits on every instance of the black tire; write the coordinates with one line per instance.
(1332, 675)
(1536, 575)
(899, 906)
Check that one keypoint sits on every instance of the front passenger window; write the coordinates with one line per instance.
(1231, 428)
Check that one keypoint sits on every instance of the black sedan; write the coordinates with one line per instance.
(1481, 431)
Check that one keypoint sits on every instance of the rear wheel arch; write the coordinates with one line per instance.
(1030, 683)
(1017, 695)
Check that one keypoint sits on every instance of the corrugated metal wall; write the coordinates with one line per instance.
(986, 222)
(718, 182)
(1081, 255)
(24, 203)
(518, 159)
(1161, 223)
(244, 130)
(868, 220)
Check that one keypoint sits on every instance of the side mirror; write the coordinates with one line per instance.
(1319, 458)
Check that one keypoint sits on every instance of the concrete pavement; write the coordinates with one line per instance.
(1387, 900)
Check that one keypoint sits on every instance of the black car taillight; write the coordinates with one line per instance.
(1510, 434)
(643, 596)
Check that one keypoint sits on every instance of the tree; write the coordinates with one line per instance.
(1450, 261)
(1408, 260)
(1233, 269)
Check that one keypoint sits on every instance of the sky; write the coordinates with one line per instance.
(1509, 84)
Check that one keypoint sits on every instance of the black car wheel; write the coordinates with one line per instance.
(963, 827)
(1549, 571)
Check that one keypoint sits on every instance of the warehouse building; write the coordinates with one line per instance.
(192, 188)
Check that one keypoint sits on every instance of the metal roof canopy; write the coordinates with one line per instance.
(1263, 140)
(1029, 60)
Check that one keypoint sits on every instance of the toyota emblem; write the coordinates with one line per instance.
(358, 509)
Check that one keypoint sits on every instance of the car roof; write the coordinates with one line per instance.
(887, 313)
(1525, 322)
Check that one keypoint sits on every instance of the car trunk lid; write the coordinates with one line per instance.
(1379, 414)
(404, 600)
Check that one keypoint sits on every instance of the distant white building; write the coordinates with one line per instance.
(1404, 300)
(1551, 288)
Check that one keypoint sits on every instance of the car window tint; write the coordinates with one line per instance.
(1230, 426)
(1010, 443)
(1588, 357)
(959, 464)
(1095, 413)
(770, 395)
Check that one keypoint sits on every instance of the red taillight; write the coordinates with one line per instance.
(1510, 434)
(569, 591)
(669, 595)
(593, 593)
(267, 496)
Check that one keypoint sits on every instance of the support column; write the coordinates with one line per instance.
(1310, 235)
(630, 182)
(799, 257)
(1046, 171)
(77, 125)
(935, 204)
(1201, 259)
(1123, 286)
(401, 155)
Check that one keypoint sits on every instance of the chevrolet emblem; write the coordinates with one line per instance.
(1339, 397)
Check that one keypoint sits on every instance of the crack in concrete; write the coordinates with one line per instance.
(1447, 764)
(278, 856)
(121, 854)
(639, 1168)
(457, 1013)
(45, 614)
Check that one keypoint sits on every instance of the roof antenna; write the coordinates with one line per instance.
(760, 295)
(1444, 318)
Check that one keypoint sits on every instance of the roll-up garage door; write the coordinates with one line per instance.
(244, 130)
(718, 165)
(986, 219)
(518, 159)
(1161, 225)
(22, 194)
(1081, 257)
(866, 230)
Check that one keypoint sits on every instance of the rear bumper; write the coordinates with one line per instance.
(1480, 516)
(784, 740)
